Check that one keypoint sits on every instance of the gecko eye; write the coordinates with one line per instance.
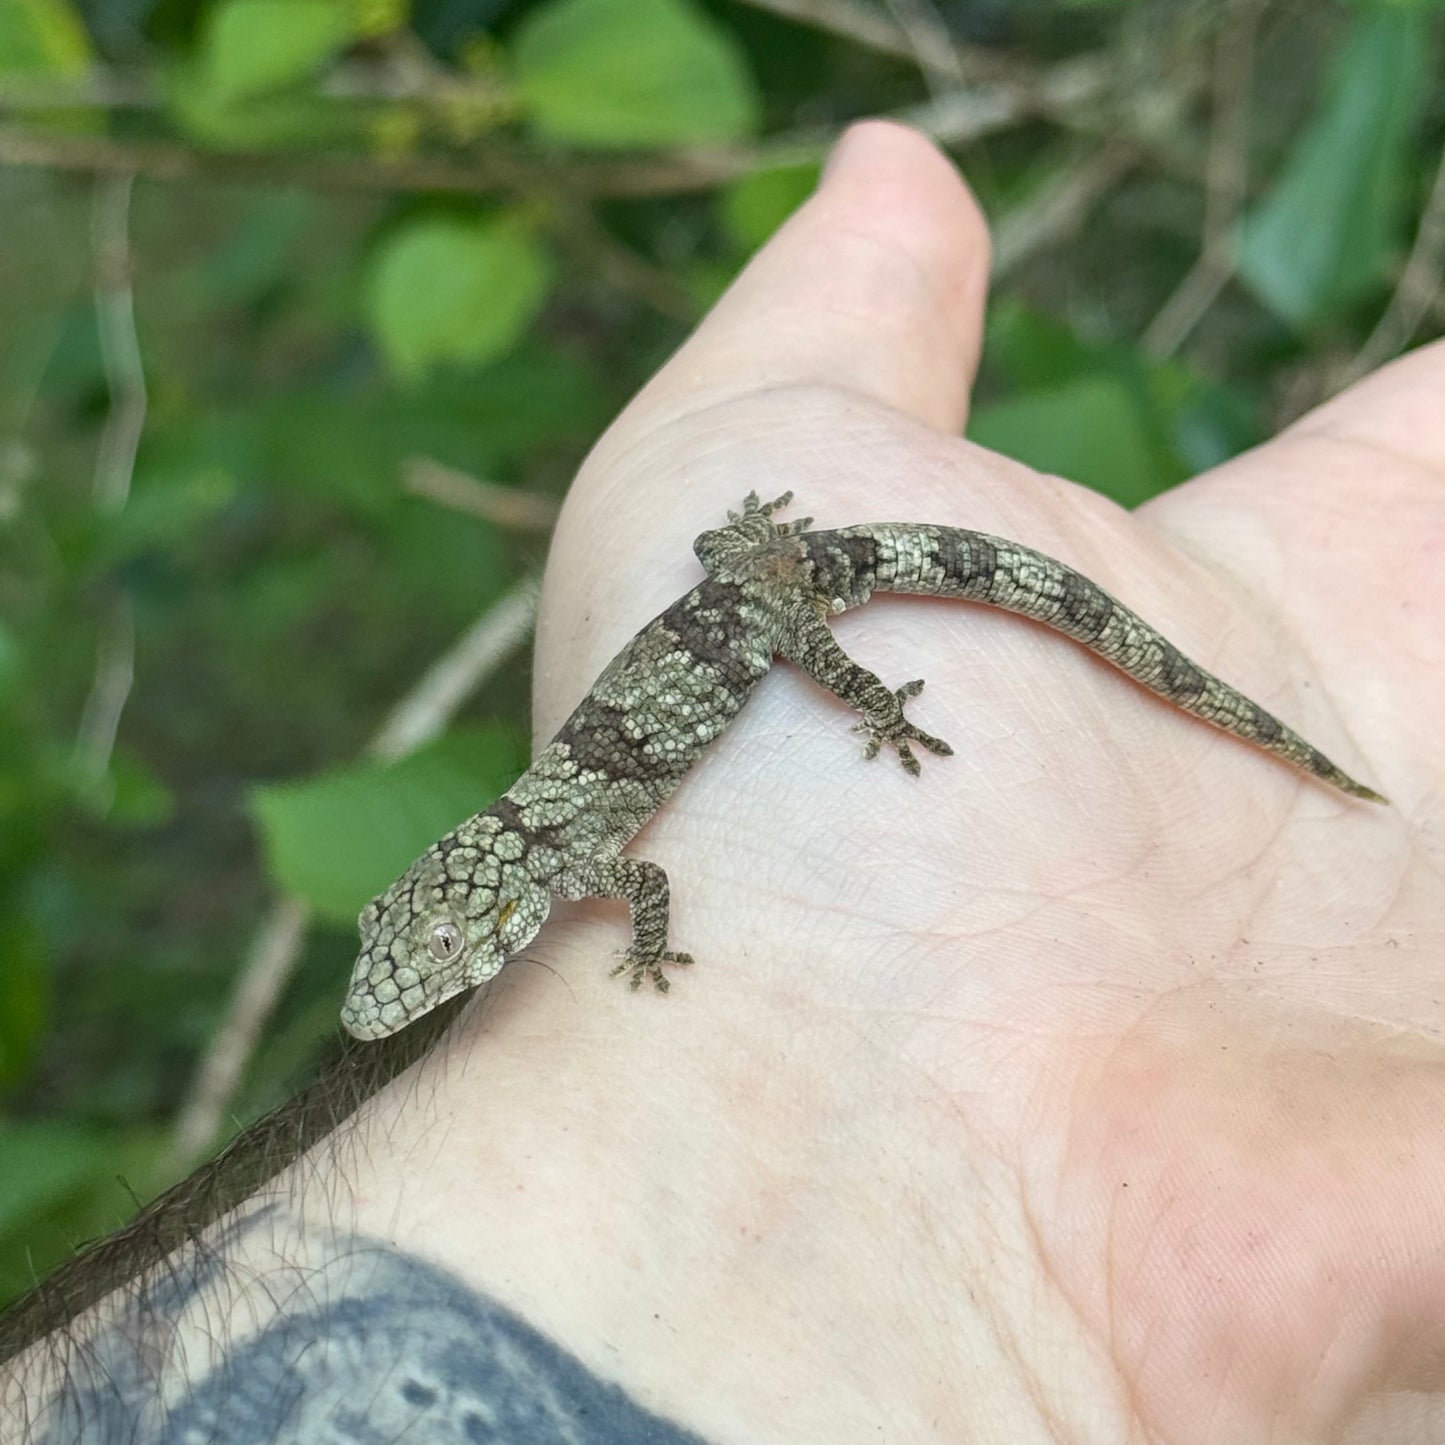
(445, 942)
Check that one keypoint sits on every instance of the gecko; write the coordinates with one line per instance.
(479, 895)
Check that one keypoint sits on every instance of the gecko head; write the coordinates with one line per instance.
(448, 923)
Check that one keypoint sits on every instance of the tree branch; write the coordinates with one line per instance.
(1420, 283)
(418, 718)
(1226, 178)
(502, 506)
(114, 466)
(1070, 89)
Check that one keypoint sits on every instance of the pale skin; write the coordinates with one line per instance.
(1090, 1087)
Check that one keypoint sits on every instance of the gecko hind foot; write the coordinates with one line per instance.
(898, 731)
(641, 968)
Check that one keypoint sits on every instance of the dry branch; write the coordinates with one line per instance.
(416, 719)
(502, 506)
(114, 466)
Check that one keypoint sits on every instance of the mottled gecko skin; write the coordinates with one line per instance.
(478, 896)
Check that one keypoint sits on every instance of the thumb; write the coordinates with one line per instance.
(876, 285)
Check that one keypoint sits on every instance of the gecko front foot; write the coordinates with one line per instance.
(888, 725)
(641, 968)
(754, 509)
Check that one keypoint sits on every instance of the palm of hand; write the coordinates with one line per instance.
(1107, 996)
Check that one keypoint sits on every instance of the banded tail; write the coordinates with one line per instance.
(952, 562)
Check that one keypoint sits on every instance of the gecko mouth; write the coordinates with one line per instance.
(361, 1018)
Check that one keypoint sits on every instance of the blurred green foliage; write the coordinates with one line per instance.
(363, 232)
(443, 289)
(386, 813)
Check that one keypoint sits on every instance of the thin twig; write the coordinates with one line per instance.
(98, 88)
(503, 506)
(270, 962)
(1056, 211)
(416, 719)
(435, 697)
(961, 117)
(1420, 283)
(172, 161)
(620, 266)
(114, 467)
(1226, 180)
(119, 343)
(393, 77)
(931, 44)
(1083, 94)
(847, 19)
(1069, 89)
(501, 167)
(109, 692)
(894, 35)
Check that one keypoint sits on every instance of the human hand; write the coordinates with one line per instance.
(1088, 1088)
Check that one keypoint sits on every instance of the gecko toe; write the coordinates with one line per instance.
(889, 725)
(639, 968)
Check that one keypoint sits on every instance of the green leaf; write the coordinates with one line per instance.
(257, 255)
(753, 208)
(1207, 421)
(448, 290)
(163, 516)
(1327, 232)
(60, 1184)
(379, 17)
(1398, 4)
(336, 840)
(12, 663)
(24, 993)
(299, 118)
(255, 46)
(42, 37)
(632, 73)
(139, 798)
(1036, 351)
(42, 1162)
(1092, 430)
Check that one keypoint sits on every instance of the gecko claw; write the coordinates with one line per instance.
(895, 729)
(752, 507)
(768, 508)
(641, 968)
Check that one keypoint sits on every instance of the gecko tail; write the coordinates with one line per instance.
(1358, 790)
(978, 567)
(1230, 710)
